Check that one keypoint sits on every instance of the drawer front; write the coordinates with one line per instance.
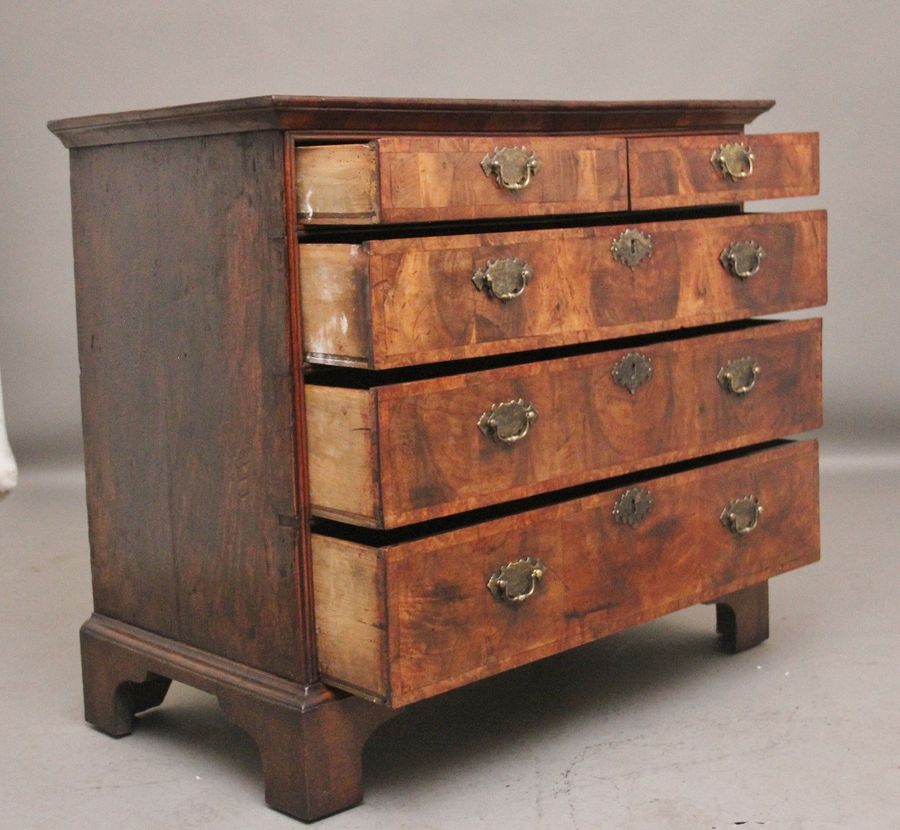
(400, 302)
(408, 452)
(406, 622)
(675, 171)
(428, 179)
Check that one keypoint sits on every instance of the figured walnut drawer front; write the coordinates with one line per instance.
(426, 179)
(407, 452)
(407, 621)
(677, 171)
(399, 302)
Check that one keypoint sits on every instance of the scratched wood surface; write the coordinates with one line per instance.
(398, 302)
(425, 179)
(444, 628)
(675, 171)
(432, 460)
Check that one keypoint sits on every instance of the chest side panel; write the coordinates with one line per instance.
(181, 281)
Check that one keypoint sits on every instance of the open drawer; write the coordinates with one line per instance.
(404, 620)
(680, 171)
(405, 452)
(399, 302)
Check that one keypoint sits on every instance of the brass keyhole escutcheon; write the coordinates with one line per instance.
(632, 371)
(632, 506)
(631, 247)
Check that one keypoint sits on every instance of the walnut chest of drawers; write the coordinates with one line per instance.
(381, 397)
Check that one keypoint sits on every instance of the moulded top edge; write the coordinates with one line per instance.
(355, 117)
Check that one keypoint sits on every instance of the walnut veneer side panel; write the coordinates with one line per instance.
(400, 302)
(182, 300)
(675, 171)
(445, 629)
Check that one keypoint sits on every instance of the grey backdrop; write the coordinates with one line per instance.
(832, 67)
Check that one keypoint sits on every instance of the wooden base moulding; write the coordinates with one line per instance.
(310, 738)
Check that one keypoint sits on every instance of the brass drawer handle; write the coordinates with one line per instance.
(741, 515)
(508, 422)
(742, 259)
(739, 376)
(504, 279)
(516, 581)
(631, 247)
(632, 371)
(632, 506)
(512, 167)
(734, 161)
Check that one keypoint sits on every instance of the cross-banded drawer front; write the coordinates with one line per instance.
(410, 620)
(678, 171)
(400, 302)
(407, 452)
(428, 179)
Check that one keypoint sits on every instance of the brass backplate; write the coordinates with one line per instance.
(734, 161)
(504, 279)
(633, 506)
(508, 422)
(743, 259)
(516, 581)
(632, 247)
(632, 371)
(741, 515)
(512, 167)
(739, 376)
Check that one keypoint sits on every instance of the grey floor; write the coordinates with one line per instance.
(652, 728)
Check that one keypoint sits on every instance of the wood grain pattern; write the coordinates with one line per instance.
(343, 455)
(187, 395)
(424, 179)
(336, 303)
(399, 302)
(337, 183)
(445, 629)
(368, 117)
(588, 426)
(350, 621)
(675, 171)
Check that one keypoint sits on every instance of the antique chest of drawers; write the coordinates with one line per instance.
(381, 397)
